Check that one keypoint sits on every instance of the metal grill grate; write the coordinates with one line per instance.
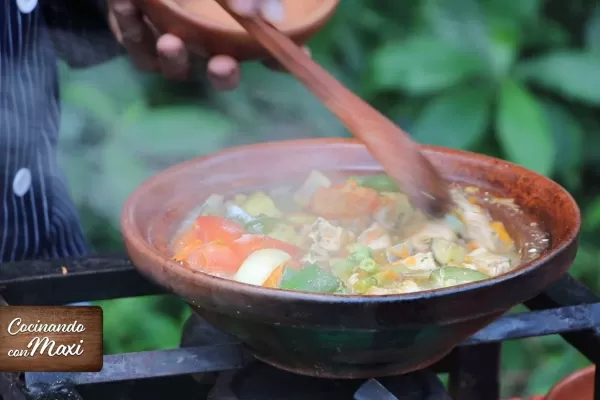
(567, 308)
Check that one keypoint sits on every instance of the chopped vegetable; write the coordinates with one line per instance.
(399, 252)
(500, 230)
(452, 276)
(447, 252)
(368, 265)
(285, 233)
(262, 224)
(336, 203)
(258, 267)
(343, 268)
(380, 183)
(359, 253)
(248, 243)
(259, 203)
(314, 181)
(274, 280)
(237, 214)
(185, 239)
(362, 285)
(355, 236)
(213, 258)
(212, 229)
(288, 273)
(211, 206)
(312, 278)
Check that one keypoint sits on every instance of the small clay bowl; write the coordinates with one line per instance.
(340, 336)
(207, 29)
(577, 386)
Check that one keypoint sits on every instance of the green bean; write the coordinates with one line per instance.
(360, 252)
(368, 265)
(381, 183)
(452, 276)
(362, 285)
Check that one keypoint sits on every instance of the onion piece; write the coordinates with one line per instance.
(314, 181)
(237, 213)
(259, 265)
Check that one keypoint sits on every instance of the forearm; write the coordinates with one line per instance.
(80, 31)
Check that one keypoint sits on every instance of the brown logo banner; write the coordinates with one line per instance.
(50, 339)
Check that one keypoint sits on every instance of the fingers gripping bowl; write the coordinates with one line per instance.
(344, 336)
(207, 29)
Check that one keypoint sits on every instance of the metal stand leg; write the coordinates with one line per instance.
(476, 372)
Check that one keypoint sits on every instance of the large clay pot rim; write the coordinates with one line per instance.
(299, 26)
(138, 241)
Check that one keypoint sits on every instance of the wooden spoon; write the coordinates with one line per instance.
(399, 155)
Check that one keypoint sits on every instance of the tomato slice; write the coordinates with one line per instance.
(249, 243)
(214, 258)
(333, 203)
(212, 229)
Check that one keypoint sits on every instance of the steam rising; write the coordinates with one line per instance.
(120, 126)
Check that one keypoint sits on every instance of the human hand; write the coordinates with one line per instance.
(167, 53)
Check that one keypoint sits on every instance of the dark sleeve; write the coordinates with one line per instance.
(80, 31)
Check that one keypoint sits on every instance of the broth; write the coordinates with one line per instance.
(360, 236)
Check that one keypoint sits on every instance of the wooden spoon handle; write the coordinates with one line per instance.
(399, 155)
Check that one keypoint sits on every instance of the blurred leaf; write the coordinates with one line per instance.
(277, 106)
(158, 139)
(421, 65)
(181, 131)
(555, 368)
(492, 32)
(545, 34)
(503, 48)
(592, 216)
(145, 329)
(592, 139)
(570, 73)
(592, 31)
(117, 80)
(568, 139)
(518, 10)
(460, 22)
(522, 130)
(72, 123)
(85, 96)
(457, 119)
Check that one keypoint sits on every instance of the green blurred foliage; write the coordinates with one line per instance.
(517, 79)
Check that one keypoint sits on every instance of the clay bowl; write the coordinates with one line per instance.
(207, 29)
(342, 336)
(577, 386)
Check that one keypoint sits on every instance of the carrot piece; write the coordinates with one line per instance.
(184, 252)
(499, 228)
(274, 279)
(410, 261)
(402, 253)
(472, 245)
